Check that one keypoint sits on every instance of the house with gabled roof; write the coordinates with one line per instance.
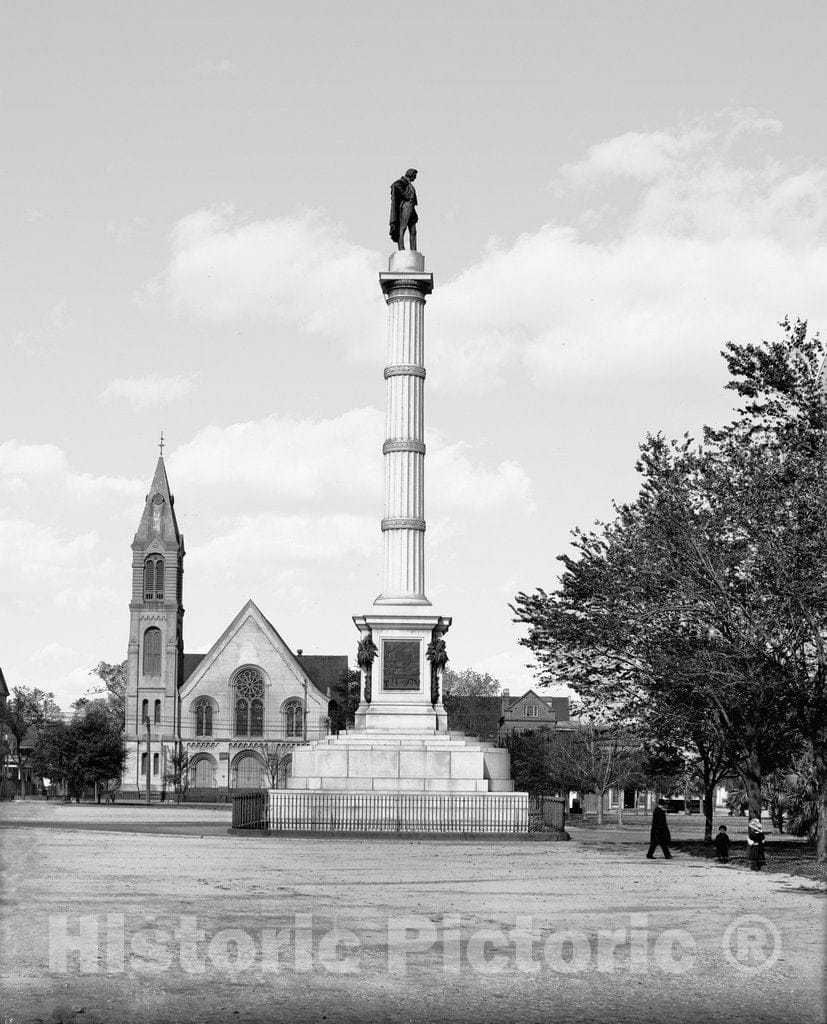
(226, 708)
(531, 711)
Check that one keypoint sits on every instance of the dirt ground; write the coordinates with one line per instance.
(135, 914)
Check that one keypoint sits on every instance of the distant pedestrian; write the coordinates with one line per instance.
(659, 835)
(755, 845)
(722, 845)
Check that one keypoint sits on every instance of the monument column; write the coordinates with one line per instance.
(405, 286)
(398, 690)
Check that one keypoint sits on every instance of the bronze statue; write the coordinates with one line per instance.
(403, 209)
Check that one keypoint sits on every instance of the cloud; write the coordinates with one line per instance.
(53, 652)
(339, 460)
(144, 392)
(676, 240)
(456, 482)
(699, 236)
(298, 271)
(265, 539)
(40, 550)
(34, 468)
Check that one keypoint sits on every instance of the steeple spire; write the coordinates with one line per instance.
(158, 517)
(161, 444)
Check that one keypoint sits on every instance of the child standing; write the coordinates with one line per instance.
(722, 845)
(755, 845)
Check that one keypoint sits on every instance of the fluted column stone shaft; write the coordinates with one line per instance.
(405, 287)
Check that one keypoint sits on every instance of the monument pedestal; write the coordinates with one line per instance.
(402, 691)
(399, 768)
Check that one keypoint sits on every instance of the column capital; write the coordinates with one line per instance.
(419, 284)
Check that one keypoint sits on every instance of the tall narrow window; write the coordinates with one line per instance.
(143, 763)
(152, 652)
(154, 579)
(241, 717)
(155, 760)
(144, 711)
(249, 703)
(157, 712)
(203, 718)
(293, 712)
(257, 717)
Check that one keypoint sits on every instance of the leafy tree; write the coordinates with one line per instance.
(468, 683)
(87, 751)
(529, 761)
(27, 711)
(801, 792)
(344, 700)
(111, 687)
(707, 594)
(471, 702)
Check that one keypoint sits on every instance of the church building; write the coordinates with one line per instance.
(235, 711)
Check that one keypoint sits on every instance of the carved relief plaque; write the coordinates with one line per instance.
(400, 664)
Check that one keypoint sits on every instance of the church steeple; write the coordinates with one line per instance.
(156, 644)
(158, 519)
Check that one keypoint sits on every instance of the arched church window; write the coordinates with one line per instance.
(154, 579)
(249, 703)
(144, 711)
(203, 718)
(157, 712)
(203, 772)
(152, 652)
(248, 772)
(293, 713)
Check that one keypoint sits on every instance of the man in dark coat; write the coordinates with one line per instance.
(659, 836)
(403, 209)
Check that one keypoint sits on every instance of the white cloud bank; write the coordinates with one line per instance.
(322, 463)
(684, 237)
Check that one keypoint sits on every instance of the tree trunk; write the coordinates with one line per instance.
(709, 810)
(820, 764)
(20, 779)
(620, 797)
(750, 772)
(599, 807)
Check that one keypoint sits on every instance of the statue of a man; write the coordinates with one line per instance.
(403, 209)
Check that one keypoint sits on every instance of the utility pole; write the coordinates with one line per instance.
(148, 760)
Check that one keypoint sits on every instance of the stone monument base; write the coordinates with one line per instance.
(370, 782)
(395, 762)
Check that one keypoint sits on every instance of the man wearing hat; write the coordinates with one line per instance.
(659, 835)
(403, 209)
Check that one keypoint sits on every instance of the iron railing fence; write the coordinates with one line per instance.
(545, 813)
(251, 810)
(295, 811)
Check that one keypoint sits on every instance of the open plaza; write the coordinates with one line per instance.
(132, 914)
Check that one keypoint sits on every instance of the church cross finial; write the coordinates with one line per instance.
(161, 444)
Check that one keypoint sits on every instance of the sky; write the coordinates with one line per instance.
(194, 206)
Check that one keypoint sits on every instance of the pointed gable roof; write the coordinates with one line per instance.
(158, 519)
(250, 611)
(4, 690)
